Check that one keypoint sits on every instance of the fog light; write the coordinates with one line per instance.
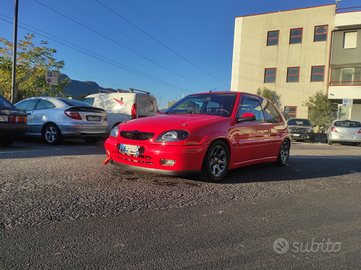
(167, 162)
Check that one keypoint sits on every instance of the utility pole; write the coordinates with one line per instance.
(15, 45)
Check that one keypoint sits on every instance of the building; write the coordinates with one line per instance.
(345, 64)
(293, 53)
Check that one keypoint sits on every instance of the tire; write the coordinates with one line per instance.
(283, 154)
(52, 134)
(92, 139)
(6, 141)
(215, 163)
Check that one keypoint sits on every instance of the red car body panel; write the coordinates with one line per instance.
(248, 142)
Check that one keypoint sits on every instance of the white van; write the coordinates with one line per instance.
(124, 105)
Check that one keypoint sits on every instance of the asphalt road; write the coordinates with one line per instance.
(60, 208)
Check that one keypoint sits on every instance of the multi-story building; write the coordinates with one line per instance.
(289, 52)
(345, 64)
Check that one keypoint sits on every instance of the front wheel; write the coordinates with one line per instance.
(52, 134)
(283, 154)
(215, 163)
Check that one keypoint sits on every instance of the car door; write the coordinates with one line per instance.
(28, 105)
(41, 114)
(277, 127)
(251, 138)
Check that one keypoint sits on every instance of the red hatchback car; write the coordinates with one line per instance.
(205, 133)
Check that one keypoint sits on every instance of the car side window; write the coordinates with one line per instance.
(44, 104)
(27, 105)
(251, 105)
(272, 115)
(90, 101)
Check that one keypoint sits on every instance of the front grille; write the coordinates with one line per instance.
(297, 130)
(136, 135)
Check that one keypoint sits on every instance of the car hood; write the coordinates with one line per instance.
(300, 127)
(163, 122)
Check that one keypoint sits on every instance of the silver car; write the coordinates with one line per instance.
(57, 118)
(345, 131)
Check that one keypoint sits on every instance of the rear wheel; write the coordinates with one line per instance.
(6, 140)
(283, 154)
(215, 163)
(52, 134)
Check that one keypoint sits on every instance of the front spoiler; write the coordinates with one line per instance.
(150, 170)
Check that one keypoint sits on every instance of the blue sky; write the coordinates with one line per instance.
(168, 47)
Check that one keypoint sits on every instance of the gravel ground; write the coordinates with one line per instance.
(41, 189)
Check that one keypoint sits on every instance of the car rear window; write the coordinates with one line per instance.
(5, 104)
(347, 124)
(74, 102)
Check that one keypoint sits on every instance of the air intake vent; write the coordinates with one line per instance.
(136, 135)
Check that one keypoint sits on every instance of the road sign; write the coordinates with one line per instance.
(347, 103)
(52, 77)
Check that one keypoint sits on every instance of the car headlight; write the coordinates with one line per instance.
(115, 132)
(173, 136)
(309, 130)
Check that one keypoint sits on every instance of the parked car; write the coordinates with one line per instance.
(205, 133)
(301, 129)
(57, 118)
(124, 105)
(345, 131)
(12, 122)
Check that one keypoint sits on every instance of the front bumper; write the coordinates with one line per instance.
(188, 159)
(302, 136)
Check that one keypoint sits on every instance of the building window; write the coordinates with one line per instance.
(320, 33)
(296, 36)
(349, 40)
(346, 76)
(317, 74)
(272, 38)
(290, 112)
(270, 75)
(293, 74)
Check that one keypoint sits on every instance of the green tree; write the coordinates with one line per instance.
(32, 64)
(321, 111)
(271, 95)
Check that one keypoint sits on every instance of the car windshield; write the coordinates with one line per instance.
(299, 122)
(221, 104)
(347, 124)
(5, 104)
(74, 102)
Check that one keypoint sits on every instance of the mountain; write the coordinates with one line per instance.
(78, 88)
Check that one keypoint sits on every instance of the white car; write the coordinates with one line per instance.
(56, 118)
(345, 131)
(124, 105)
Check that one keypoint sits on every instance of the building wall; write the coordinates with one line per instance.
(251, 55)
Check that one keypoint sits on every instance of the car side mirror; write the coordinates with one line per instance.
(246, 117)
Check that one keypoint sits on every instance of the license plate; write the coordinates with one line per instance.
(93, 118)
(296, 135)
(4, 118)
(129, 149)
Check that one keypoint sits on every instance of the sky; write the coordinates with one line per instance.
(170, 48)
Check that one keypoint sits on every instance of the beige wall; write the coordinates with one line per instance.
(251, 55)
